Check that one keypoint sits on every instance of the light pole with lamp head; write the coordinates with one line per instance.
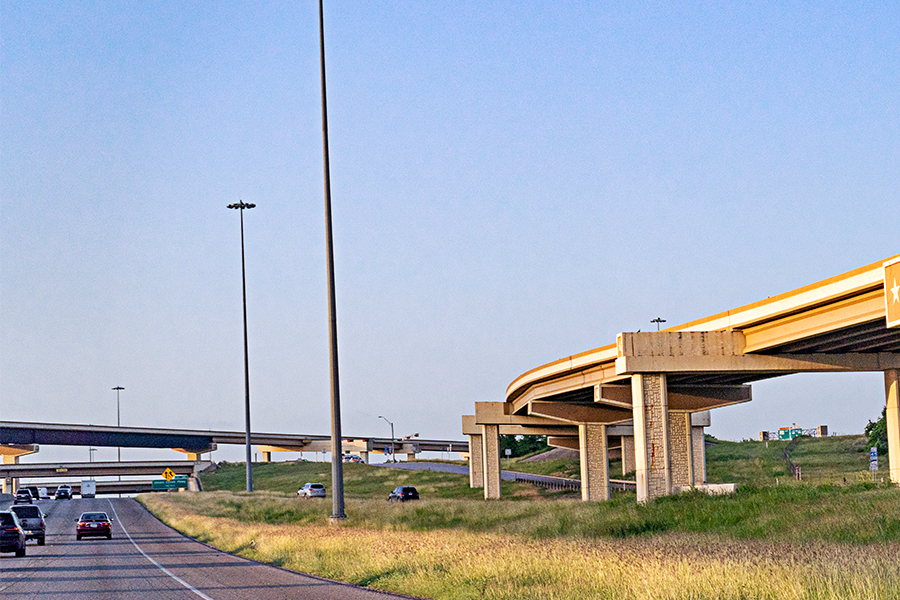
(393, 457)
(118, 389)
(241, 206)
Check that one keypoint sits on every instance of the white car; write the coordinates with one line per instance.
(312, 490)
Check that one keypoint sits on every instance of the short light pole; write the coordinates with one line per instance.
(657, 320)
(241, 206)
(393, 457)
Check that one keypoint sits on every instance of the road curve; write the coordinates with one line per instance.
(147, 560)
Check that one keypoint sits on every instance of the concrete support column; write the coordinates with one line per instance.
(681, 450)
(267, 457)
(364, 456)
(698, 440)
(651, 435)
(594, 454)
(490, 437)
(627, 454)
(10, 484)
(476, 462)
(892, 416)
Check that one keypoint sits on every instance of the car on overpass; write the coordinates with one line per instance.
(12, 536)
(95, 524)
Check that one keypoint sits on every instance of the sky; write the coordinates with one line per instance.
(512, 183)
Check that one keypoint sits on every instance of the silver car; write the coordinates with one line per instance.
(312, 490)
(32, 521)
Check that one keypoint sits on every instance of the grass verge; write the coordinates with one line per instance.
(450, 549)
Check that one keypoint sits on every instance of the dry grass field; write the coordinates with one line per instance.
(457, 563)
(833, 536)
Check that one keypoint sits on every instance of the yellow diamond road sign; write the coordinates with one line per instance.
(168, 474)
(892, 292)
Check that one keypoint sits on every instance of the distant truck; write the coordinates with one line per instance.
(88, 488)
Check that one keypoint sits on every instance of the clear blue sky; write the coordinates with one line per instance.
(513, 182)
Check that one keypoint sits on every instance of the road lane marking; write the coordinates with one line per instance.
(147, 556)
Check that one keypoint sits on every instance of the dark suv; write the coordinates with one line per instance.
(402, 493)
(32, 520)
(12, 538)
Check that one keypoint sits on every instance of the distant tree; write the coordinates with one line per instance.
(877, 433)
(522, 444)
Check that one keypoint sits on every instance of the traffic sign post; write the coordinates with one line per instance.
(873, 461)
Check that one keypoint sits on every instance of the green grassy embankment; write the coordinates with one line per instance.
(798, 540)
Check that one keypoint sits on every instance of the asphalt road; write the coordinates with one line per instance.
(147, 560)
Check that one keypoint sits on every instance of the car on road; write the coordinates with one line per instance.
(32, 521)
(23, 497)
(312, 490)
(352, 458)
(12, 537)
(94, 524)
(63, 492)
(43, 495)
(35, 493)
(402, 493)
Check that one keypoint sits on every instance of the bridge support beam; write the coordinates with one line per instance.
(490, 436)
(892, 416)
(594, 456)
(476, 462)
(653, 471)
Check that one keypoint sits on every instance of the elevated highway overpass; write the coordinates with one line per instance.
(658, 383)
(21, 438)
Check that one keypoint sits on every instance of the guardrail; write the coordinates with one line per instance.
(566, 484)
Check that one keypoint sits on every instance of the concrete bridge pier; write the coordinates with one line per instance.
(11, 454)
(892, 416)
(491, 460)
(476, 461)
(594, 455)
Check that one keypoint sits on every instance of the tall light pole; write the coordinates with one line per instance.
(657, 320)
(337, 465)
(241, 206)
(393, 456)
(118, 389)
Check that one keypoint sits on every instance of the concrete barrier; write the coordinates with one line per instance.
(713, 489)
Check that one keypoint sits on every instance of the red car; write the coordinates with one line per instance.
(94, 524)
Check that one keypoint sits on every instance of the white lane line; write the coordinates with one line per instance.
(162, 568)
